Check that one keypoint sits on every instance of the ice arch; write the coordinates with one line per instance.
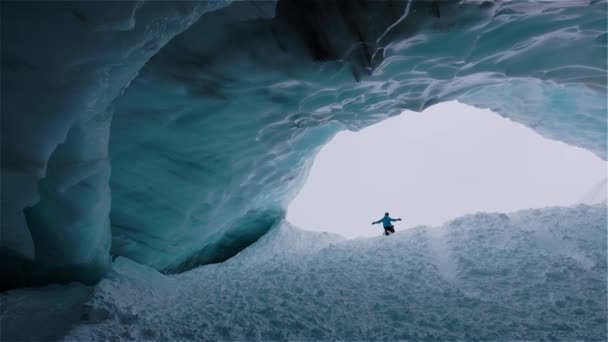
(206, 135)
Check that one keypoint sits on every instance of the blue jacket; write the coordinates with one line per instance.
(386, 221)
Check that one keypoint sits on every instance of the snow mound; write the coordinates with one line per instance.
(531, 275)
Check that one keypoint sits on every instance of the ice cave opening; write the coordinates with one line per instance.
(445, 162)
(149, 150)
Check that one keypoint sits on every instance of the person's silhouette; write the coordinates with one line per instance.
(386, 222)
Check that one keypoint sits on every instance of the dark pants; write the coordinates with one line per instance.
(389, 230)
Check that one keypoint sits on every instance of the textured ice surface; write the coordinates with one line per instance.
(529, 275)
(237, 131)
(208, 133)
(63, 64)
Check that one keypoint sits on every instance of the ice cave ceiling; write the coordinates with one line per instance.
(175, 133)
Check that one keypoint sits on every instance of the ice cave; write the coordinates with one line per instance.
(149, 150)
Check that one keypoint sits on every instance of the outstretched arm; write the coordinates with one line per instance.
(380, 220)
(395, 219)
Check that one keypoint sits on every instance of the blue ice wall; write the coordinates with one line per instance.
(63, 64)
(207, 141)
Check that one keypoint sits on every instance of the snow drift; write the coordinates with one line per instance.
(207, 115)
(531, 275)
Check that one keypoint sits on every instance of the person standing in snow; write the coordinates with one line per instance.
(386, 222)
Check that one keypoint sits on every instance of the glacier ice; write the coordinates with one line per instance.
(537, 274)
(175, 134)
(63, 64)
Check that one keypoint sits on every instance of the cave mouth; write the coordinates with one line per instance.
(430, 167)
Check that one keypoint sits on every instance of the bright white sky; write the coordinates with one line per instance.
(430, 167)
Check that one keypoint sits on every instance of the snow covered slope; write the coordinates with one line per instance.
(598, 194)
(207, 116)
(529, 275)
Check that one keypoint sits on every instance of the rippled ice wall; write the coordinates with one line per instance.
(530, 275)
(207, 116)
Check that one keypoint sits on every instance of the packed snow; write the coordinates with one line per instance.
(529, 275)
